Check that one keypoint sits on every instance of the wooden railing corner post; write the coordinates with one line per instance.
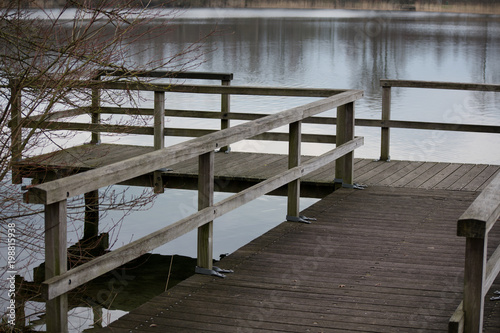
(205, 199)
(56, 259)
(294, 154)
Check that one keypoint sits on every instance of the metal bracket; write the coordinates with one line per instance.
(165, 170)
(355, 186)
(495, 298)
(300, 218)
(215, 271)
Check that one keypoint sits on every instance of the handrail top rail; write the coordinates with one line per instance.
(169, 74)
(61, 189)
(482, 214)
(198, 89)
(439, 85)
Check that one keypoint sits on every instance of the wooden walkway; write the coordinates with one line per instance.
(236, 170)
(377, 260)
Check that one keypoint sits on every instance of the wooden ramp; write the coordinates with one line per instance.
(377, 260)
(238, 170)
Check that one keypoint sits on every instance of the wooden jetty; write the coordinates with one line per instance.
(384, 259)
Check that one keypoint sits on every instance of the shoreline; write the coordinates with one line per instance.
(485, 7)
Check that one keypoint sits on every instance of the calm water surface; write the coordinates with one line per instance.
(329, 49)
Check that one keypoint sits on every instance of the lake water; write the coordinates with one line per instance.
(327, 49)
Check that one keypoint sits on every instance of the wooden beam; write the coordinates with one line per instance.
(91, 221)
(159, 135)
(482, 214)
(456, 323)
(345, 132)
(225, 109)
(98, 266)
(492, 269)
(385, 132)
(56, 263)
(294, 154)
(61, 189)
(475, 264)
(440, 85)
(16, 129)
(205, 199)
(95, 114)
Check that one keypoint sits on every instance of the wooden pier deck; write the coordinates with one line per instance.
(238, 170)
(377, 260)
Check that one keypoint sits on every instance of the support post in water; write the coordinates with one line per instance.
(91, 222)
(385, 131)
(294, 151)
(205, 199)
(159, 135)
(344, 166)
(56, 263)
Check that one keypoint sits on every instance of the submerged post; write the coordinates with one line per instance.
(294, 151)
(385, 131)
(56, 263)
(344, 166)
(205, 199)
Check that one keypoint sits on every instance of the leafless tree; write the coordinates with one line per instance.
(49, 59)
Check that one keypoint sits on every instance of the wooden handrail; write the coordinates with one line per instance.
(479, 274)
(67, 187)
(440, 85)
(60, 284)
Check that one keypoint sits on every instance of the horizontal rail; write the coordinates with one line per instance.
(91, 180)
(75, 277)
(169, 74)
(440, 85)
(181, 132)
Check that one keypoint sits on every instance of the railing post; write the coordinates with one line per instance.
(294, 151)
(475, 266)
(385, 131)
(344, 166)
(16, 129)
(56, 263)
(225, 109)
(159, 135)
(95, 114)
(205, 199)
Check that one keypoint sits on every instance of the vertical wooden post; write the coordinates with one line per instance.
(475, 265)
(294, 151)
(385, 131)
(56, 263)
(95, 114)
(205, 199)
(225, 109)
(159, 135)
(344, 166)
(91, 220)
(16, 129)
